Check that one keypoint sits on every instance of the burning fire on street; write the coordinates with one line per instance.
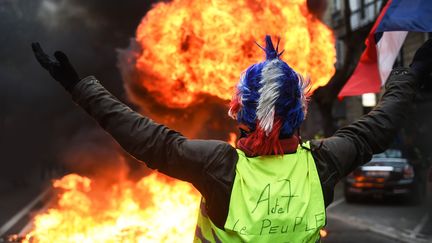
(154, 209)
(186, 50)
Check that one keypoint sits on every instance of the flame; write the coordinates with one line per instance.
(194, 47)
(155, 209)
(323, 233)
(188, 49)
(232, 139)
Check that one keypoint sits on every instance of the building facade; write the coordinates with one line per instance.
(363, 14)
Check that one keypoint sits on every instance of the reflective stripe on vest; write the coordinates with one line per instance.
(274, 199)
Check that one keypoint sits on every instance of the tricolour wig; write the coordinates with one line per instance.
(270, 101)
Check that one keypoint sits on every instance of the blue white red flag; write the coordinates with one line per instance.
(383, 44)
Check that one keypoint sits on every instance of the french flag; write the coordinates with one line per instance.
(397, 18)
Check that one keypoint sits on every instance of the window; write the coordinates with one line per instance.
(362, 9)
(340, 54)
(363, 12)
(337, 7)
(336, 15)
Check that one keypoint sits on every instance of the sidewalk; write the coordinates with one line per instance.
(13, 198)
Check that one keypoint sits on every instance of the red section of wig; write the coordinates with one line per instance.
(235, 105)
(259, 143)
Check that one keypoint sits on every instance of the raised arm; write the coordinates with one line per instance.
(160, 147)
(354, 145)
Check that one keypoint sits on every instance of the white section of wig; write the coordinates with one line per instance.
(269, 93)
(232, 114)
(305, 88)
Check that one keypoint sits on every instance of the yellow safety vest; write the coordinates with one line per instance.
(275, 198)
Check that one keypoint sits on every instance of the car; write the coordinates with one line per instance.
(386, 174)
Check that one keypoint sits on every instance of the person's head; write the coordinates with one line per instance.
(270, 102)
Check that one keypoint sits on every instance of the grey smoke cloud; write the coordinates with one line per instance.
(54, 14)
(37, 117)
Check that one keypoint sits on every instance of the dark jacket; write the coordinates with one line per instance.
(210, 165)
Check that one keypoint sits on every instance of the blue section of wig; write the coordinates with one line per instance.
(248, 90)
(288, 106)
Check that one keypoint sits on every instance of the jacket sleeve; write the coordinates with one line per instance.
(354, 145)
(160, 147)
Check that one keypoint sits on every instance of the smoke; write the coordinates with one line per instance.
(94, 154)
(37, 117)
(317, 7)
(54, 14)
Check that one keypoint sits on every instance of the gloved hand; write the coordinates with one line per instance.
(422, 62)
(60, 69)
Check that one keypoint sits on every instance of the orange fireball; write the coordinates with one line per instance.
(188, 49)
(195, 47)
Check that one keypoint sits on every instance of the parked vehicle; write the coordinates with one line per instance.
(387, 174)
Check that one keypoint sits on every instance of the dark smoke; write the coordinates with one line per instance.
(38, 121)
(37, 117)
(317, 7)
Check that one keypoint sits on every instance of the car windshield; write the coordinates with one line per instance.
(389, 153)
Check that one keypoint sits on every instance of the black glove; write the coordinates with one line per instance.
(422, 62)
(60, 69)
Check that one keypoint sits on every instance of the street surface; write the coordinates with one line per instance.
(371, 221)
(377, 220)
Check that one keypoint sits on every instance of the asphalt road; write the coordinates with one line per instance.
(371, 221)
(377, 220)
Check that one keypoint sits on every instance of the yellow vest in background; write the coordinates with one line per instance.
(275, 198)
